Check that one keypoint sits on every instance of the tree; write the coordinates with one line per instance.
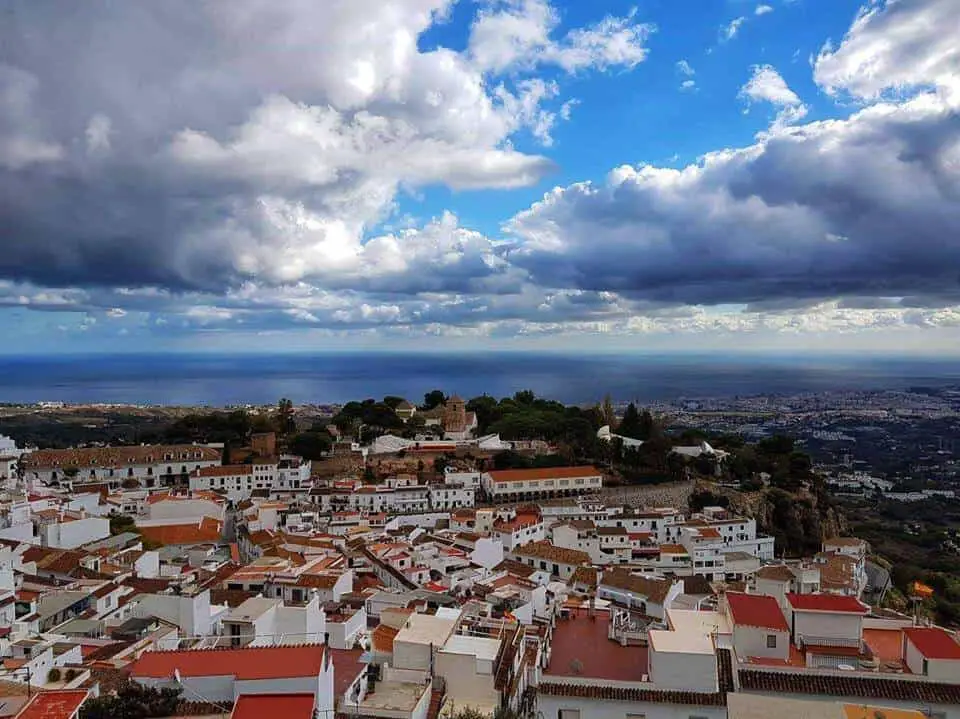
(285, 422)
(311, 445)
(525, 396)
(432, 399)
(630, 424)
(392, 401)
(120, 523)
(606, 411)
(133, 701)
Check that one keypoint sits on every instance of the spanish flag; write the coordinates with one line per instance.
(919, 589)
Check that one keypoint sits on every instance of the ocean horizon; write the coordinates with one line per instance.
(219, 380)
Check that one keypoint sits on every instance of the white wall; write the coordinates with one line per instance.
(550, 707)
(465, 687)
(185, 509)
(824, 624)
(344, 634)
(487, 552)
(409, 655)
(70, 535)
(683, 671)
(148, 565)
(20, 533)
(752, 642)
(191, 614)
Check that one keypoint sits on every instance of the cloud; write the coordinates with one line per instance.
(763, 10)
(197, 147)
(730, 30)
(866, 207)
(900, 45)
(767, 85)
(513, 34)
(162, 174)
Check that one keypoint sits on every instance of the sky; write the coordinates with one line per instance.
(293, 175)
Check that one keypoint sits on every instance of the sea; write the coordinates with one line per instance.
(219, 380)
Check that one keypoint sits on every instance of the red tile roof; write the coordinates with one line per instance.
(206, 530)
(756, 610)
(54, 705)
(117, 456)
(245, 663)
(519, 475)
(826, 603)
(224, 470)
(288, 706)
(346, 668)
(933, 642)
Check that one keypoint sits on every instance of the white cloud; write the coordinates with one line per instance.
(684, 68)
(763, 10)
(517, 34)
(730, 30)
(98, 134)
(767, 85)
(895, 45)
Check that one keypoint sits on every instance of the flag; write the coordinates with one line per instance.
(919, 589)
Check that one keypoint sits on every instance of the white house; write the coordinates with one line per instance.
(151, 465)
(759, 626)
(223, 675)
(932, 652)
(523, 484)
(825, 620)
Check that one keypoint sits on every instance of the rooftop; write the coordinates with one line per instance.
(581, 648)
(244, 663)
(426, 629)
(54, 705)
(662, 640)
(756, 610)
(519, 475)
(933, 642)
(479, 647)
(288, 706)
(827, 603)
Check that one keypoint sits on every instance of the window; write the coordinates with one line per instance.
(771, 641)
(568, 714)
(635, 716)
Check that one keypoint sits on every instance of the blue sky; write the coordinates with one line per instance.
(454, 174)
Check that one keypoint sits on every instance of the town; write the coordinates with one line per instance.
(423, 566)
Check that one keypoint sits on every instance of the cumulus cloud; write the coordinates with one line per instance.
(162, 171)
(866, 206)
(511, 34)
(894, 45)
(197, 146)
(763, 9)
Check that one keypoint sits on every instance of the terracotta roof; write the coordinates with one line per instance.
(224, 470)
(826, 603)
(547, 551)
(288, 706)
(346, 668)
(672, 549)
(117, 456)
(844, 542)
(756, 610)
(933, 642)
(382, 638)
(653, 588)
(516, 568)
(850, 686)
(318, 581)
(519, 475)
(584, 575)
(777, 572)
(245, 663)
(206, 530)
(625, 694)
(54, 705)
